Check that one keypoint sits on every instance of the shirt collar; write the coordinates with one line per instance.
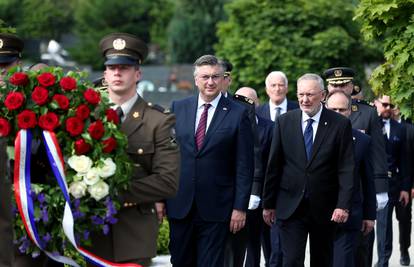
(315, 117)
(213, 103)
(127, 106)
(282, 106)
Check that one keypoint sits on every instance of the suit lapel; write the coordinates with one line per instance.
(191, 119)
(320, 134)
(134, 117)
(297, 128)
(267, 111)
(220, 113)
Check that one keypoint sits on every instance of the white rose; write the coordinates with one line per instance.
(92, 176)
(108, 169)
(98, 190)
(80, 164)
(77, 189)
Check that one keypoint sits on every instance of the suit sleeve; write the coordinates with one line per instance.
(378, 154)
(162, 181)
(345, 167)
(274, 169)
(368, 188)
(403, 163)
(244, 163)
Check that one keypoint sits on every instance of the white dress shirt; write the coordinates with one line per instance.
(315, 123)
(211, 110)
(273, 107)
(387, 127)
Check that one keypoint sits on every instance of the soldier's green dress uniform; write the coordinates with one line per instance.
(152, 148)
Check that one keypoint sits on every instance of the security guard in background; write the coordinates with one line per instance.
(151, 147)
(364, 118)
(11, 47)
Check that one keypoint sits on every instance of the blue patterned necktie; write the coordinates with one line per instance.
(308, 137)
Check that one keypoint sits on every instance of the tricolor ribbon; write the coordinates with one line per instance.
(25, 203)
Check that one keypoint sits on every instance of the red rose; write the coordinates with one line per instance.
(111, 116)
(4, 127)
(19, 78)
(83, 111)
(49, 121)
(14, 100)
(96, 130)
(92, 96)
(46, 79)
(26, 119)
(81, 147)
(109, 145)
(40, 95)
(62, 101)
(67, 83)
(74, 126)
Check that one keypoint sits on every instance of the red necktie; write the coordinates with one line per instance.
(201, 128)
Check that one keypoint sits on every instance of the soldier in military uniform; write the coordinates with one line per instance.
(151, 148)
(11, 47)
(364, 118)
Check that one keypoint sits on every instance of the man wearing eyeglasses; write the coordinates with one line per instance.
(365, 119)
(363, 212)
(394, 135)
(216, 146)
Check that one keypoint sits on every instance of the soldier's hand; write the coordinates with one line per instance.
(269, 216)
(238, 220)
(160, 208)
(367, 226)
(404, 198)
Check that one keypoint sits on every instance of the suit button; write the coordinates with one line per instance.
(140, 151)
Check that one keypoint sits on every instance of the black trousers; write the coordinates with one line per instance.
(404, 222)
(294, 233)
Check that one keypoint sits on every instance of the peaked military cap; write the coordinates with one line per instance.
(227, 66)
(339, 75)
(123, 49)
(11, 48)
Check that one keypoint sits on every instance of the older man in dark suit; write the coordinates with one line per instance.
(216, 143)
(309, 179)
(362, 218)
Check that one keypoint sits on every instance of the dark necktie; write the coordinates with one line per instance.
(308, 137)
(120, 113)
(277, 113)
(201, 128)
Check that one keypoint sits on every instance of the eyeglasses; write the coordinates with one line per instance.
(214, 77)
(340, 110)
(386, 105)
(308, 95)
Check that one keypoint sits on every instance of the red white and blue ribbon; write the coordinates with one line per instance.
(25, 203)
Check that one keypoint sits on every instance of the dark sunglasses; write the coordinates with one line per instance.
(386, 105)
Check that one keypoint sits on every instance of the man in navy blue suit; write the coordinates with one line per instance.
(363, 211)
(216, 145)
(276, 88)
(394, 134)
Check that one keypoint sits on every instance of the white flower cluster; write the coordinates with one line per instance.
(89, 178)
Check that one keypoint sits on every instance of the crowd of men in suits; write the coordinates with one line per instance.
(235, 177)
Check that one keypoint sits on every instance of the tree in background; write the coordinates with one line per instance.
(392, 22)
(294, 36)
(191, 32)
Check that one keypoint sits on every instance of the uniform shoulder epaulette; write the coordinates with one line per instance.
(158, 108)
(363, 102)
(243, 99)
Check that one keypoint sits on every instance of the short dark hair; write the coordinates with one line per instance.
(207, 60)
(227, 66)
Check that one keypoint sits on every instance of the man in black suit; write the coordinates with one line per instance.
(403, 214)
(309, 179)
(276, 88)
(216, 147)
(363, 212)
(399, 183)
(258, 231)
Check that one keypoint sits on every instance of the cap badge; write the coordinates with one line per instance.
(119, 44)
(338, 73)
(1, 43)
